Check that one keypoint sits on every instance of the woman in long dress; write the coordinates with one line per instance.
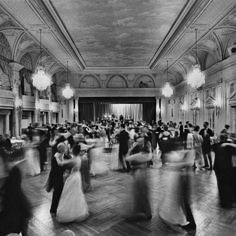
(98, 164)
(138, 157)
(72, 205)
(175, 208)
(31, 155)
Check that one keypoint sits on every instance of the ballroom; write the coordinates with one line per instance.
(101, 73)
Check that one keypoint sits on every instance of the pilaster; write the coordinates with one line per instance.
(17, 112)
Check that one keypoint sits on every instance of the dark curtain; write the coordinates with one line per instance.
(146, 112)
(101, 109)
(86, 111)
(149, 112)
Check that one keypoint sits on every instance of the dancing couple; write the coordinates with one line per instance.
(68, 200)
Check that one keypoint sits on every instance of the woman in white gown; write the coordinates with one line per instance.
(31, 155)
(72, 205)
(173, 208)
(98, 164)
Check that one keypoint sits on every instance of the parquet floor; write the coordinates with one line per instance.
(109, 203)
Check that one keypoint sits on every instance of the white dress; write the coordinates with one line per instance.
(98, 164)
(32, 160)
(72, 205)
(171, 210)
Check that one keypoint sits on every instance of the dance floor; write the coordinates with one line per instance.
(109, 203)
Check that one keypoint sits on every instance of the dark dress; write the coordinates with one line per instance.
(224, 174)
(123, 147)
(16, 210)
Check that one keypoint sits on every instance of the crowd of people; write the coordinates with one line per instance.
(75, 156)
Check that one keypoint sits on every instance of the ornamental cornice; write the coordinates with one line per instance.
(47, 13)
(193, 10)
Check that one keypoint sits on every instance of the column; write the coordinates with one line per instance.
(77, 107)
(7, 123)
(164, 109)
(37, 106)
(70, 105)
(15, 78)
(158, 109)
(50, 111)
(94, 112)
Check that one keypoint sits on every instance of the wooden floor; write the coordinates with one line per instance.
(109, 203)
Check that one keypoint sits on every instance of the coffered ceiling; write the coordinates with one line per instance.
(120, 36)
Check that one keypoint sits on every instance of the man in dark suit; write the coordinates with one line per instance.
(56, 176)
(206, 134)
(123, 147)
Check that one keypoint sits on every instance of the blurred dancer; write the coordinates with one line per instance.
(42, 148)
(175, 208)
(98, 165)
(224, 171)
(16, 210)
(31, 155)
(72, 205)
(123, 147)
(141, 154)
(197, 144)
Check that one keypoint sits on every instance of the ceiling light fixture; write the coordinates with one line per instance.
(67, 92)
(167, 90)
(41, 80)
(195, 77)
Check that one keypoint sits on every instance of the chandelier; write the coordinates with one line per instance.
(167, 90)
(67, 92)
(195, 77)
(41, 80)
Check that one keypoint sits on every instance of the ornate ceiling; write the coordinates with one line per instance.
(118, 33)
(119, 36)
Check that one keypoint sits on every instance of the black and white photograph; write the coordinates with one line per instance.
(117, 117)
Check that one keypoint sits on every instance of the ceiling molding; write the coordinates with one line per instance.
(206, 32)
(44, 14)
(5, 7)
(60, 24)
(128, 70)
(185, 19)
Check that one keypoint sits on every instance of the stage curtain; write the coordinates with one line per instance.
(149, 112)
(86, 111)
(133, 111)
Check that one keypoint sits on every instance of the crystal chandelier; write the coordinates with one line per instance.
(167, 90)
(41, 80)
(67, 92)
(195, 77)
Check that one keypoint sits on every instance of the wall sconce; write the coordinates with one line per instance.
(75, 110)
(37, 105)
(18, 103)
(184, 107)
